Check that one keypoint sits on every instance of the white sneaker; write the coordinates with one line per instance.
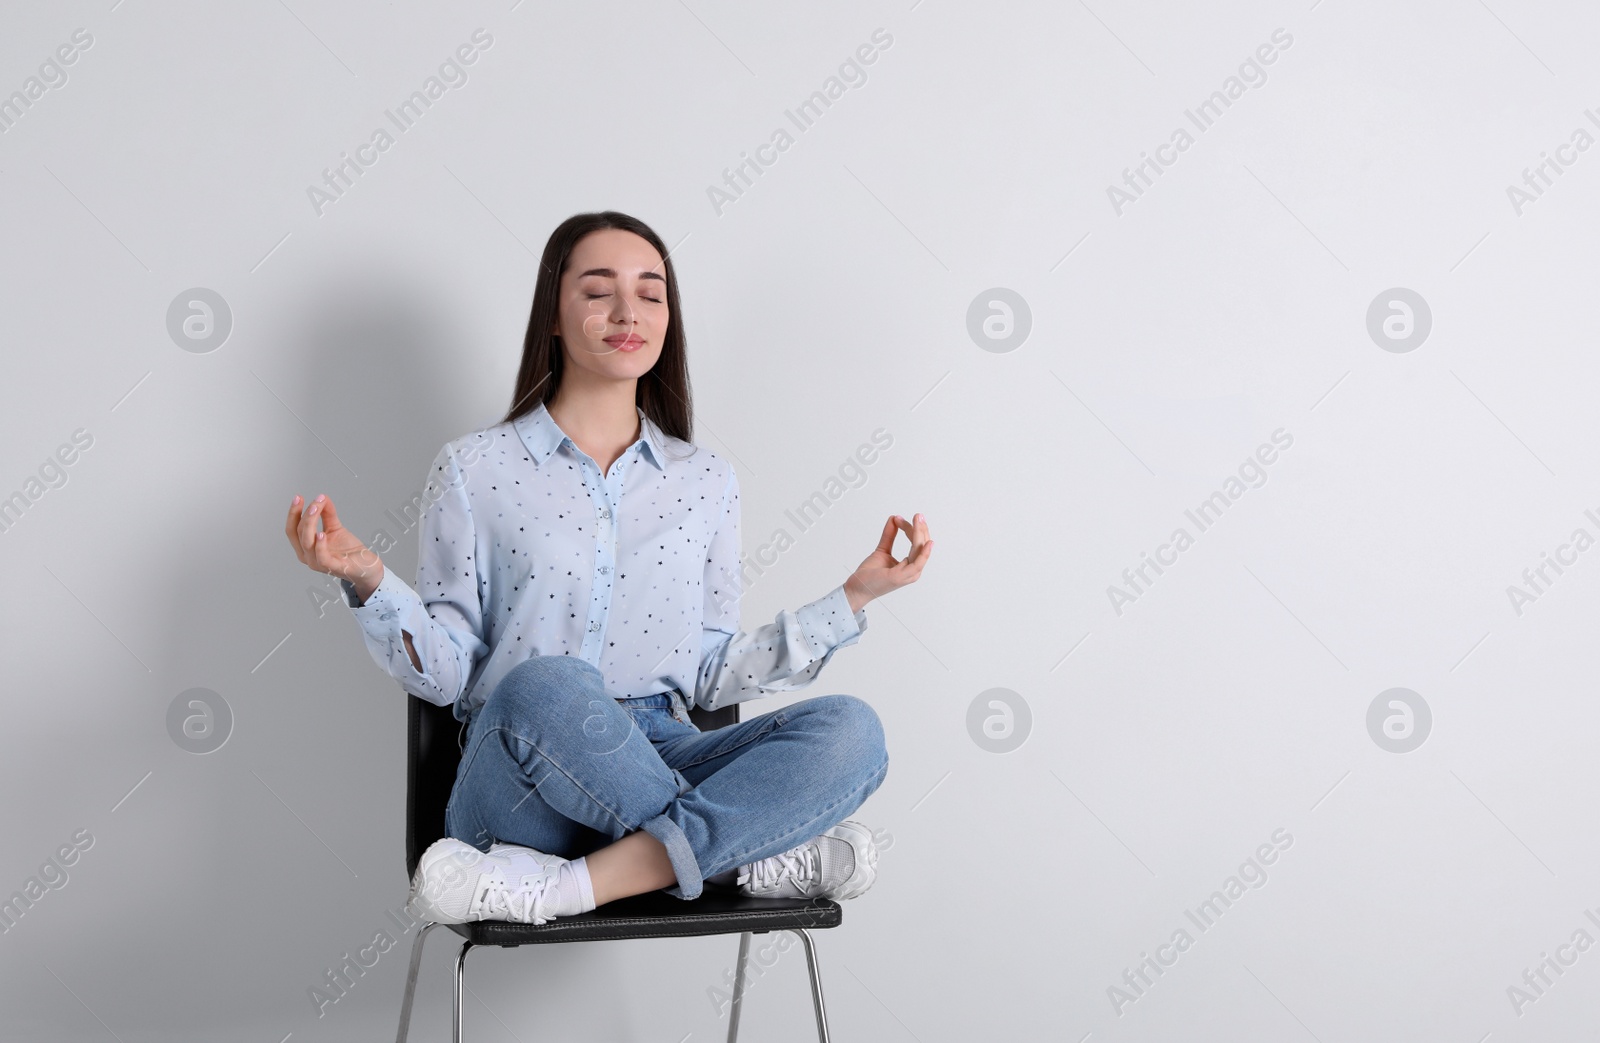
(455, 882)
(841, 863)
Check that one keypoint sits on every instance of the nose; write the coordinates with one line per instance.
(619, 314)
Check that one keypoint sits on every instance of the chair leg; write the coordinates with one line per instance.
(411, 980)
(461, 970)
(816, 982)
(738, 988)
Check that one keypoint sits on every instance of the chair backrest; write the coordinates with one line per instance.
(433, 753)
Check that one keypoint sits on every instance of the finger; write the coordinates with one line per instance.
(911, 536)
(306, 529)
(290, 526)
(330, 517)
(911, 567)
(917, 533)
(308, 523)
(886, 538)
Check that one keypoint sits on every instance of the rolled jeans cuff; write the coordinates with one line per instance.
(683, 861)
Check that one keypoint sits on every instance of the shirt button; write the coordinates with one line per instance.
(605, 512)
(604, 569)
(593, 627)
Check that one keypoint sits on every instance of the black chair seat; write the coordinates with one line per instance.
(660, 915)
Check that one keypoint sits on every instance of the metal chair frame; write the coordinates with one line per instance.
(734, 1011)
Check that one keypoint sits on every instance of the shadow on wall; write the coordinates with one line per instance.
(302, 806)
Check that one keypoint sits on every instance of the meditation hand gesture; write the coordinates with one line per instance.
(880, 572)
(334, 549)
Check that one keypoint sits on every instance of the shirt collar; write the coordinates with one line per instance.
(543, 436)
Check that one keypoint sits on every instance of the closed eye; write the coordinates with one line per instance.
(592, 296)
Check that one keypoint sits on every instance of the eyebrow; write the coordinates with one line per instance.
(610, 273)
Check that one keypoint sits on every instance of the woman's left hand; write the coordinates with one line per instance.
(880, 572)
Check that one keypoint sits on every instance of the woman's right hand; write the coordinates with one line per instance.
(332, 549)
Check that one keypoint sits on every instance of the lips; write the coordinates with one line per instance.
(626, 342)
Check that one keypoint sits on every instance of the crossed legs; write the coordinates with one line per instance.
(553, 762)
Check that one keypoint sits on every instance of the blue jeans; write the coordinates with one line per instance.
(552, 761)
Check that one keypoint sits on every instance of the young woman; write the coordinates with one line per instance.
(578, 585)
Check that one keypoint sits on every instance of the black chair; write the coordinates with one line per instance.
(433, 754)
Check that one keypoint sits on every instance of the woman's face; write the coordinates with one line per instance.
(613, 305)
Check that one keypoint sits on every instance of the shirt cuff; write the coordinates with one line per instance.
(828, 623)
(381, 614)
(391, 611)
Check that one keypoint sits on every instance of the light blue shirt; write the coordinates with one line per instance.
(527, 549)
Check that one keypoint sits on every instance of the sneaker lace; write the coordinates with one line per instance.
(801, 865)
(525, 903)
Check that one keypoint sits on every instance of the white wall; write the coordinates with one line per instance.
(1169, 336)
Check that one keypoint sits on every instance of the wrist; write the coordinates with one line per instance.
(856, 595)
(365, 580)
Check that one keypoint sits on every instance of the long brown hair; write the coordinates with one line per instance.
(663, 392)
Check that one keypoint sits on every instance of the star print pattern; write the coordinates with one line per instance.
(527, 549)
